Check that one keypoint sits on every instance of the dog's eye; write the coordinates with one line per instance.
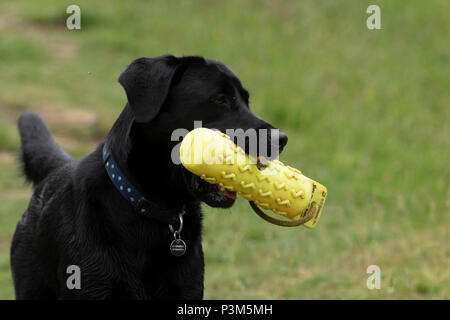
(220, 99)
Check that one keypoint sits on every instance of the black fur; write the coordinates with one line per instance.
(40, 154)
(77, 217)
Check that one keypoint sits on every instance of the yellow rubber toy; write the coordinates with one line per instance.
(286, 191)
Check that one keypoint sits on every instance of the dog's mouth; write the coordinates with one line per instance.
(212, 194)
(227, 193)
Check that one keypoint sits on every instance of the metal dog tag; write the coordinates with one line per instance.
(178, 247)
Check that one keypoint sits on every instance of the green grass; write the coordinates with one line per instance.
(367, 114)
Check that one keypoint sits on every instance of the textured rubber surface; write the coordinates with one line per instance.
(284, 190)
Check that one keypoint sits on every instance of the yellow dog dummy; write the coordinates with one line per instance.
(286, 191)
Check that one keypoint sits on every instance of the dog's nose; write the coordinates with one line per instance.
(282, 140)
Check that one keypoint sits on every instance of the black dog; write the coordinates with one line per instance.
(77, 216)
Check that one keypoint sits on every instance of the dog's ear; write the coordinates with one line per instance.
(146, 82)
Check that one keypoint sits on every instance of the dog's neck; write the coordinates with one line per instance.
(146, 160)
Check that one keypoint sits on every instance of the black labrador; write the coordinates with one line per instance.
(77, 216)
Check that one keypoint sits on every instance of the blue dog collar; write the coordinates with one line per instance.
(120, 181)
(141, 205)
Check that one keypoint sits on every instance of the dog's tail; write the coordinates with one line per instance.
(40, 154)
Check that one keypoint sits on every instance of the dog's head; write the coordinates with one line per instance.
(168, 93)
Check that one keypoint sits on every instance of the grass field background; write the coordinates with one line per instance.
(367, 114)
